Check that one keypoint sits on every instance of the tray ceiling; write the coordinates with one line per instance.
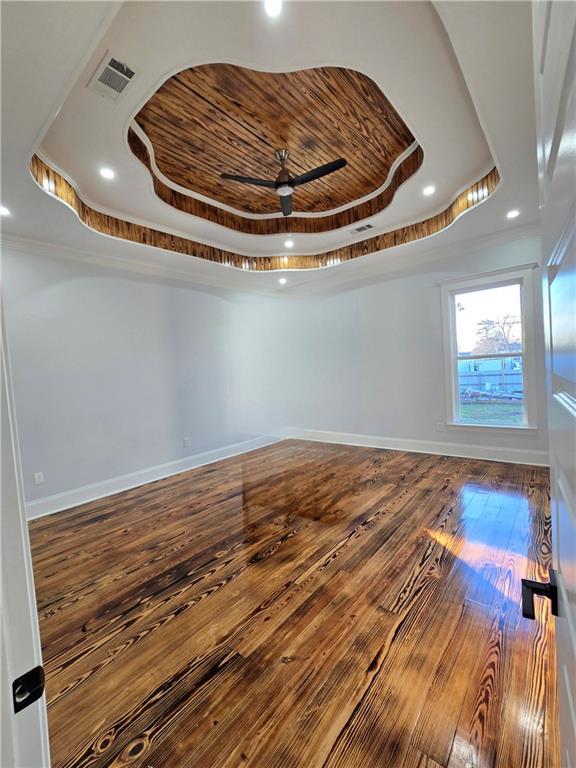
(436, 74)
(394, 105)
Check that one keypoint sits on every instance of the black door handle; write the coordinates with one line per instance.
(543, 589)
(28, 688)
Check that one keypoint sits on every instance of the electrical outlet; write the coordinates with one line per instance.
(38, 478)
(187, 442)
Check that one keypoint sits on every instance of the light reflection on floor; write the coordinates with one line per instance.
(493, 538)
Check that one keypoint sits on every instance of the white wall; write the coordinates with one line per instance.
(370, 362)
(112, 372)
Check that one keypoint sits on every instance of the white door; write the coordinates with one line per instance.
(24, 734)
(554, 28)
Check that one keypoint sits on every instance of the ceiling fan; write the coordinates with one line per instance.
(285, 182)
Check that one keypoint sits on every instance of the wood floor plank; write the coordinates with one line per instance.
(304, 604)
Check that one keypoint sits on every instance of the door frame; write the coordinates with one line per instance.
(25, 740)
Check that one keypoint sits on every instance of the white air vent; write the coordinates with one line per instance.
(111, 78)
(363, 228)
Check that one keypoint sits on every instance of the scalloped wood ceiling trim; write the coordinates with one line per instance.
(57, 186)
(285, 224)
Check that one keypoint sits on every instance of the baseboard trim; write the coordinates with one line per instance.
(61, 501)
(488, 453)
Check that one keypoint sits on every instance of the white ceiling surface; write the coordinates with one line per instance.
(45, 43)
(418, 73)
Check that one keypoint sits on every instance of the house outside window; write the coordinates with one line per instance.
(489, 350)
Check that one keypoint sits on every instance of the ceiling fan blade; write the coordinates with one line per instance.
(286, 203)
(317, 173)
(248, 180)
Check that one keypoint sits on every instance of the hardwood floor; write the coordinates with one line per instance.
(302, 605)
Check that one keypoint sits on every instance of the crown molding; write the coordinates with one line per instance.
(401, 262)
(151, 270)
(493, 273)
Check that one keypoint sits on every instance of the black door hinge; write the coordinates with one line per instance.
(28, 688)
(543, 589)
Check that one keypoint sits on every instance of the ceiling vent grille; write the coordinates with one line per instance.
(111, 78)
(363, 228)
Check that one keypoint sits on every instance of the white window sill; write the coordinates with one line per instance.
(514, 427)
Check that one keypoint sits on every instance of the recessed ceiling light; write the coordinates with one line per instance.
(429, 190)
(282, 281)
(289, 244)
(513, 213)
(273, 8)
(107, 173)
(4, 211)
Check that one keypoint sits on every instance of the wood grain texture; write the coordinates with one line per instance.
(55, 184)
(284, 224)
(221, 118)
(302, 605)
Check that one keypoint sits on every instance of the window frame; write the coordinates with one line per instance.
(521, 276)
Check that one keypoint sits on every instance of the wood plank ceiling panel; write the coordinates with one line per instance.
(220, 118)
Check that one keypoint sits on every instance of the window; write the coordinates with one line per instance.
(489, 350)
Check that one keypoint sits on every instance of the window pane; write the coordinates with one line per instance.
(491, 391)
(489, 321)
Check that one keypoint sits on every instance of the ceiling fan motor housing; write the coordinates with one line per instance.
(282, 155)
(283, 181)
